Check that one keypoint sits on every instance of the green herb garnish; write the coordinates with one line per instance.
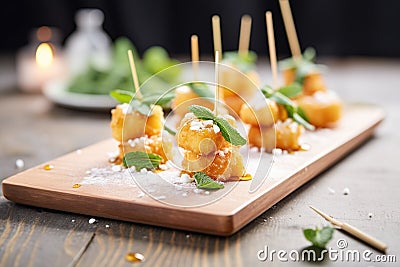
(122, 96)
(169, 130)
(292, 109)
(201, 89)
(302, 66)
(143, 105)
(204, 181)
(319, 237)
(229, 133)
(141, 160)
(244, 62)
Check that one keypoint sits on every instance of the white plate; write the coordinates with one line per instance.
(57, 92)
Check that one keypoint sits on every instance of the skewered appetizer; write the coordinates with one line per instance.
(210, 145)
(275, 121)
(322, 107)
(139, 130)
(195, 93)
(238, 79)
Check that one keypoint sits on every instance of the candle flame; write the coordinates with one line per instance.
(44, 55)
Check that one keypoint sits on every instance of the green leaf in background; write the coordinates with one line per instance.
(319, 237)
(141, 160)
(244, 62)
(202, 112)
(156, 59)
(204, 181)
(122, 96)
(229, 133)
(202, 90)
(118, 75)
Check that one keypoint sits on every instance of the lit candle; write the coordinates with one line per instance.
(40, 62)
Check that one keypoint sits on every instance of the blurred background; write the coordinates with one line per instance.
(335, 28)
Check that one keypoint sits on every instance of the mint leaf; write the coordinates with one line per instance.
(169, 130)
(244, 62)
(291, 90)
(141, 160)
(229, 133)
(294, 112)
(319, 237)
(302, 121)
(157, 100)
(202, 90)
(122, 96)
(204, 181)
(140, 107)
(202, 112)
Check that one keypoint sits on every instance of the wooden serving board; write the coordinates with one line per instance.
(120, 198)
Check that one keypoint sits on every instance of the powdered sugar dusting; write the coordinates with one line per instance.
(113, 174)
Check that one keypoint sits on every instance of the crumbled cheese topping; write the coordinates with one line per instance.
(183, 89)
(125, 108)
(216, 128)
(325, 97)
(198, 125)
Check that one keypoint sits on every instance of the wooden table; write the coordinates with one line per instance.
(34, 130)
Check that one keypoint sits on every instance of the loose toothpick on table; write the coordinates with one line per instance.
(244, 37)
(217, 35)
(353, 231)
(216, 103)
(134, 75)
(272, 50)
(290, 28)
(195, 55)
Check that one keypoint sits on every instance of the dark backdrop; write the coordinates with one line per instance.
(339, 27)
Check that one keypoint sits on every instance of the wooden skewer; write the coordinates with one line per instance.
(244, 37)
(217, 35)
(216, 103)
(195, 56)
(353, 231)
(290, 28)
(134, 75)
(272, 50)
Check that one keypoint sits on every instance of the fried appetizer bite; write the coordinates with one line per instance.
(207, 150)
(138, 132)
(192, 94)
(304, 71)
(322, 109)
(259, 111)
(238, 79)
(284, 135)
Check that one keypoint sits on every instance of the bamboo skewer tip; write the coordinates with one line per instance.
(134, 74)
(290, 28)
(272, 49)
(244, 35)
(195, 55)
(216, 102)
(216, 27)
